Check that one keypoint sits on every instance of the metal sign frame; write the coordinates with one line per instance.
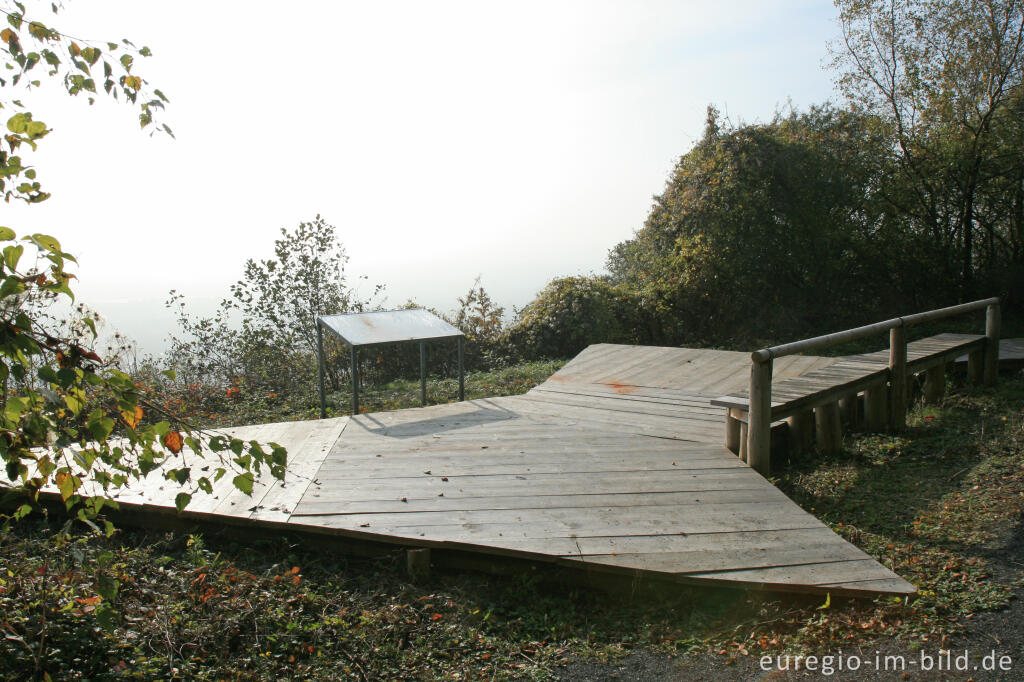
(368, 330)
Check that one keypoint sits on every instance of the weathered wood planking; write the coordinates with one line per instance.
(580, 483)
(925, 353)
(1011, 353)
(692, 370)
(614, 464)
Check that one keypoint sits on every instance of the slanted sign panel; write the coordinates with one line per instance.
(389, 326)
(360, 330)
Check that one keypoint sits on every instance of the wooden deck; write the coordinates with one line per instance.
(614, 464)
(1011, 354)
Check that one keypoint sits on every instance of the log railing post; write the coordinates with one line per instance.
(935, 383)
(759, 428)
(828, 430)
(897, 377)
(992, 324)
(801, 430)
(884, 403)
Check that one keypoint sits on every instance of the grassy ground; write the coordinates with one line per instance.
(207, 408)
(939, 504)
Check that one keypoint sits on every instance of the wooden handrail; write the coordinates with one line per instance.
(868, 330)
(795, 347)
(760, 400)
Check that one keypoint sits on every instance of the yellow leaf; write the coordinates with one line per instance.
(66, 484)
(133, 82)
(8, 36)
(133, 418)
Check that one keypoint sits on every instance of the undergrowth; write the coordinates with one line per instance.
(940, 504)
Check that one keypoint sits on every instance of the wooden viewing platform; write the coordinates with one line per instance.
(615, 464)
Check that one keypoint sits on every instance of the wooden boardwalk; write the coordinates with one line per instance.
(1011, 354)
(614, 464)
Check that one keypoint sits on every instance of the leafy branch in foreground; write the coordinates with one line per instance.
(33, 50)
(72, 422)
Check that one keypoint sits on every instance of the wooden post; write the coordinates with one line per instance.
(935, 383)
(732, 431)
(417, 563)
(744, 429)
(992, 324)
(828, 429)
(876, 408)
(849, 405)
(801, 430)
(423, 374)
(759, 427)
(976, 366)
(897, 378)
(320, 367)
(355, 380)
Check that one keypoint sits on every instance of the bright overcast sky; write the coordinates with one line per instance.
(518, 141)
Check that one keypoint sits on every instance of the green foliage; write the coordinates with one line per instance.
(573, 312)
(910, 197)
(480, 319)
(947, 78)
(262, 339)
(71, 423)
(941, 504)
(34, 53)
(755, 218)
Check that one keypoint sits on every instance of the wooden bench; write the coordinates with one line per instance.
(815, 403)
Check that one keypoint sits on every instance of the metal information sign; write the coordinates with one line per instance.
(359, 330)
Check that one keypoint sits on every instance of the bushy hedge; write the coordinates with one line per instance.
(574, 312)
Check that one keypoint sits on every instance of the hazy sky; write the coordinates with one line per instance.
(445, 140)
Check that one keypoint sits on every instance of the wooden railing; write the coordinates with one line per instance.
(985, 368)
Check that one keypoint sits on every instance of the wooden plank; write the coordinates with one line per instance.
(803, 534)
(834, 574)
(637, 393)
(728, 558)
(550, 501)
(304, 460)
(894, 585)
(652, 425)
(629, 407)
(478, 526)
(404, 467)
(529, 485)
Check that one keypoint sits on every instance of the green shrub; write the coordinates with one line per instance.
(574, 312)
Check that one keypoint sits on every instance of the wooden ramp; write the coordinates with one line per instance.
(614, 464)
(1011, 354)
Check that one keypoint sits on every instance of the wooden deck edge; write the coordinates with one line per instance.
(462, 556)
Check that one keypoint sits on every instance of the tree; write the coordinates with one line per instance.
(946, 75)
(264, 334)
(767, 231)
(68, 418)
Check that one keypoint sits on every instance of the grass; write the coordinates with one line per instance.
(209, 408)
(404, 393)
(940, 504)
